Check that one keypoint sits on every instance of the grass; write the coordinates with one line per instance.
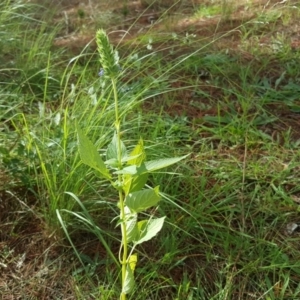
(226, 94)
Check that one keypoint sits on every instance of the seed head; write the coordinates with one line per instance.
(109, 58)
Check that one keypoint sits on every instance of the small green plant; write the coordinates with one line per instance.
(127, 172)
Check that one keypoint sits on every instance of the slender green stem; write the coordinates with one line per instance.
(124, 245)
(117, 122)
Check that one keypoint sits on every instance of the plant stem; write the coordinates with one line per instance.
(117, 122)
(121, 196)
(124, 242)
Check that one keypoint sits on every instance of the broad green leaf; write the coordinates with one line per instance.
(129, 281)
(89, 154)
(142, 200)
(148, 229)
(154, 165)
(134, 183)
(135, 175)
(129, 158)
(112, 163)
(138, 154)
(127, 183)
(132, 170)
(112, 149)
(132, 232)
(138, 182)
(131, 228)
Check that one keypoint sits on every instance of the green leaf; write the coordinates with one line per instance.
(137, 154)
(148, 229)
(131, 228)
(135, 176)
(138, 182)
(154, 165)
(133, 261)
(132, 170)
(112, 149)
(134, 183)
(112, 163)
(89, 154)
(128, 285)
(142, 200)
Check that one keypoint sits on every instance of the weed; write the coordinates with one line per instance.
(127, 174)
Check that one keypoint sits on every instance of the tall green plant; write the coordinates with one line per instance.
(127, 172)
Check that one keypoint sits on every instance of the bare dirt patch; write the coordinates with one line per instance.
(32, 262)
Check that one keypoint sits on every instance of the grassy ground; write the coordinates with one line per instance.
(219, 80)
